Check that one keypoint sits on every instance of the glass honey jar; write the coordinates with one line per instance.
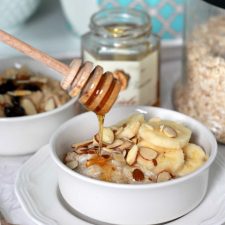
(120, 40)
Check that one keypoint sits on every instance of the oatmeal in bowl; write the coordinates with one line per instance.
(138, 151)
(24, 92)
(150, 159)
(32, 105)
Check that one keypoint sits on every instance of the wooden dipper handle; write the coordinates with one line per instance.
(34, 53)
(98, 90)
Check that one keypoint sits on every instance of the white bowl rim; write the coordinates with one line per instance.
(136, 186)
(26, 60)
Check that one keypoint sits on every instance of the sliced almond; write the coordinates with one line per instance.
(96, 140)
(124, 152)
(82, 144)
(134, 140)
(169, 132)
(49, 105)
(148, 164)
(108, 136)
(155, 162)
(28, 106)
(85, 150)
(138, 175)
(72, 164)
(164, 176)
(125, 145)
(105, 151)
(119, 130)
(81, 150)
(19, 93)
(132, 155)
(115, 144)
(91, 151)
(147, 153)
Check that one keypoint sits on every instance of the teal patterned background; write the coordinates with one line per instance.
(167, 15)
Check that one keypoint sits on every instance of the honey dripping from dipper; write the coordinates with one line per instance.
(98, 90)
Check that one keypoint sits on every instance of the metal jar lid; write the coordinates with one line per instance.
(219, 3)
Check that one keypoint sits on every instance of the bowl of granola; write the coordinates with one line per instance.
(32, 105)
(146, 159)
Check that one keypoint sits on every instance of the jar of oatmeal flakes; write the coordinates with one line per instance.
(120, 40)
(201, 92)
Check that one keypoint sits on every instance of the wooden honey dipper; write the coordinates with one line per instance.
(98, 90)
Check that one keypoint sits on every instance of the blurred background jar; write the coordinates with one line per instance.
(201, 92)
(120, 40)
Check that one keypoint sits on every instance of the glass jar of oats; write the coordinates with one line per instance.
(201, 92)
(120, 40)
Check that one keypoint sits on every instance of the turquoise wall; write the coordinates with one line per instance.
(167, 15)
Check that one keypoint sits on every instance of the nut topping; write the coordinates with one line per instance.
(169, 131)
(115, 144)
(133, 158)
(138, 175)
(82, 144)
(132, 155)
(164, 176)
(147, 153)
(145, 163)
(108, 136)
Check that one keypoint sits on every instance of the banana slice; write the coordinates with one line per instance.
(134, 117)
(132, 126)
(146, 144)
(195, 157)
(170, 161)
(165, 134)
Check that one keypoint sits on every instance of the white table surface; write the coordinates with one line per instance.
(170, 72)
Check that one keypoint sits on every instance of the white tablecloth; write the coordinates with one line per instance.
(9, 167)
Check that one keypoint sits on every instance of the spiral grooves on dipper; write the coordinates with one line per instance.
(98, 90)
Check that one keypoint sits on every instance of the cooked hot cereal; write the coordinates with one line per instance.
(138, 151)
(23, 92)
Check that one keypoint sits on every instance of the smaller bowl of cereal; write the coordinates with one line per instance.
(32, 105)
(152, 167)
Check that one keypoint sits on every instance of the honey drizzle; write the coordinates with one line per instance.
(101, 119)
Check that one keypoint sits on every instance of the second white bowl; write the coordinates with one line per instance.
(24, 135)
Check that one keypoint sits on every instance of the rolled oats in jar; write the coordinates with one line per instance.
(201, 92)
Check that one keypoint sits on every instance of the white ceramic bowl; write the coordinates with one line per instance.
(24, 135)
(129, 203)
